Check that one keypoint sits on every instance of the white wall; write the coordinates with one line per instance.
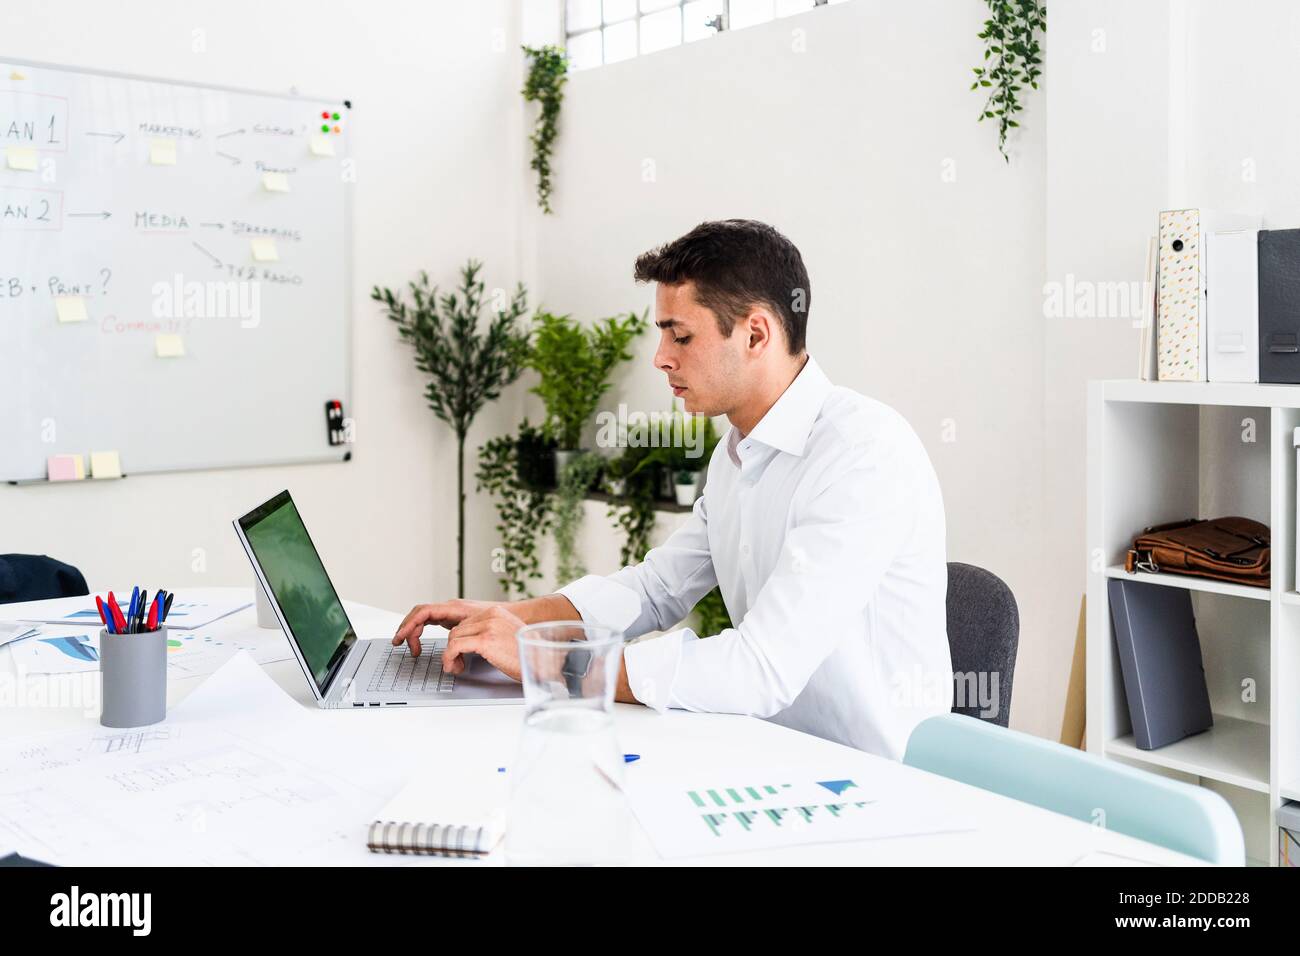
(436, 120)
(925, 293)
(1150, 106)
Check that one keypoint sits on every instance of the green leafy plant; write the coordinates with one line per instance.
(574, 363)
(634, 510)
(574, 482)
(467, 366)
(523, 511)
(711, 613)
(642, 469)
(548, 70)
(1012, 60)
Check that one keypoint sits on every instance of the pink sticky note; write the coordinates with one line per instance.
(62, 468)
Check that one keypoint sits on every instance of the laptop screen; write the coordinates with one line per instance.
(308, 602)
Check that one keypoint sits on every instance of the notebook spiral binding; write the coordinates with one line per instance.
(389, 836)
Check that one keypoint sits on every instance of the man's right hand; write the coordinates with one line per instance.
(446, 614)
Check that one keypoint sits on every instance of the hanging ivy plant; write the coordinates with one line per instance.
(712, 614)
(575, 481)
(548, 69)
(1012, 61)
(523, 512)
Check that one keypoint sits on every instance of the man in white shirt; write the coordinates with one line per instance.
(821, 521)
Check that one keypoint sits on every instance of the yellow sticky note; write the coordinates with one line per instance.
(105, 464)
(264, 250)
(275, 182)
(162, 152)
(15, 75)
(169, 346)
(70, 308)
(322, 146)
(21, 157)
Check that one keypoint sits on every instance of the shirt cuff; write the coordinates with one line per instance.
(602, 601)
(652, 668)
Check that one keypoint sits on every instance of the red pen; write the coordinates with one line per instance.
(152, 624)
(99, 606)
(118, 620)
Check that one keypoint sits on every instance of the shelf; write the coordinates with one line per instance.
(671, 507)
(1188, 583)
(1202, 393)
(1233, 751)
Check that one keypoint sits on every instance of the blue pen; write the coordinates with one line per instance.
(627, 758)
(130, 615)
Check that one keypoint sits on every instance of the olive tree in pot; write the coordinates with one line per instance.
(468, 365)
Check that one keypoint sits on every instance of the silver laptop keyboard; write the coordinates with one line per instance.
(404, 673)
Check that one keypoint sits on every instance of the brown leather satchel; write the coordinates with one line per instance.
(1225, 549)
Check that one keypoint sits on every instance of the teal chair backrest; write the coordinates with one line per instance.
(1182, 817)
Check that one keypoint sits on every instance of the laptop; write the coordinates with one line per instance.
(342, 670)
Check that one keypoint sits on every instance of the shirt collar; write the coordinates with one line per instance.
(788, 423)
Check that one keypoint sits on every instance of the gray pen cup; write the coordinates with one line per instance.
(134, 670)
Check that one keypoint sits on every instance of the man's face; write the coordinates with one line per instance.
(706, 369)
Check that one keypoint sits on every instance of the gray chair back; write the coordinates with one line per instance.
(983, 635)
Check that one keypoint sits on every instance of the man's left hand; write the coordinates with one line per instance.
(490, 633)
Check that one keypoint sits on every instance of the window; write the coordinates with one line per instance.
(606, 31)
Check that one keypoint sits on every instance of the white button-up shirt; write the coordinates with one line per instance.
(824, 529)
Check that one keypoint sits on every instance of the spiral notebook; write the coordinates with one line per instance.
(442, 813)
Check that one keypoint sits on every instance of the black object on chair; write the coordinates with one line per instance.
(983, 634)
(35, 577)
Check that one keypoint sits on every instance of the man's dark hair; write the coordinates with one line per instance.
(734, 264)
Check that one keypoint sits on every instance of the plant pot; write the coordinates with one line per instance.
(565, 455)
(685, 494)
(535, 462)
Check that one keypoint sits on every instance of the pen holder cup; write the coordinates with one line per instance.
(134, 670)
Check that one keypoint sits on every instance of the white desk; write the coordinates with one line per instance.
(1010, 833)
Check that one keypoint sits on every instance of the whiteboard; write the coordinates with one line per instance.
(148, 209)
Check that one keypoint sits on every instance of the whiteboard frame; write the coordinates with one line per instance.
(294, 95)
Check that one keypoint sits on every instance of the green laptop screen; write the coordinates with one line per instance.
(307, 599)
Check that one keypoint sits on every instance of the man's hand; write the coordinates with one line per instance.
(447, 614)
(490, 633)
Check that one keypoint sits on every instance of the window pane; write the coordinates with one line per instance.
(661, 30)
(581, 15)
(746, 13)
(694, 16)
(786, 7)
(620, 41)
(584, 50)
(616, 10)
(649, 6)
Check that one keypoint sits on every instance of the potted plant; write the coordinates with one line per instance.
(574, 364)
(535, 458)
(467, 366)
(686, 486)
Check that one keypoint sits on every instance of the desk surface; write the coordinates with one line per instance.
(1009, 833)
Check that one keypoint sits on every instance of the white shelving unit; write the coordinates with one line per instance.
(1165, 451)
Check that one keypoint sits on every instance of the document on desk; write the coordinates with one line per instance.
(62, 650)
(193, 608)
(239, 773)
(765, 807)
